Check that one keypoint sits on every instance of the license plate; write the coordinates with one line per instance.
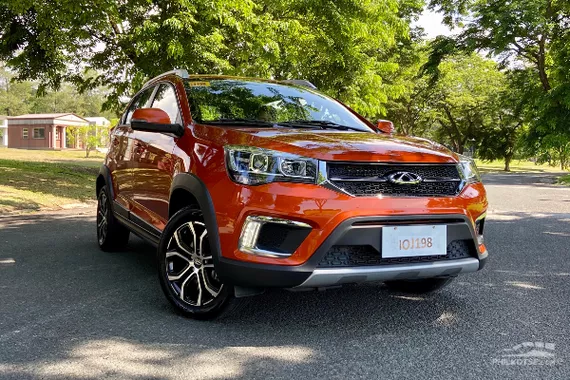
(413, 241)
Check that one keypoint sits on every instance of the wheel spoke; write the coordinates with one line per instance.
(180, 245)
(103, 231)
(178, 254)
(207, 285)
(184, 285)
(103, 204)
(199, 299)
(180, 275)
(208, 266)
(201, 252)
(191, 227)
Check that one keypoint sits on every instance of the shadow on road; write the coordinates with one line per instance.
(72, 311)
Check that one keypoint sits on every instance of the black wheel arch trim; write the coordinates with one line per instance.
(106, 174)
(193, 185)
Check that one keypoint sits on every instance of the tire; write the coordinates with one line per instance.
(186, 268)
(424, 286)
(111, 235)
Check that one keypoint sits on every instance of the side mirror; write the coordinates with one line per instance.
(155, 120)
(385, 126)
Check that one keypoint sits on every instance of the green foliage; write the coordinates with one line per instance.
(408, 109)
(530, 36)
(342, 46)
(17, 98)
(459, 107)
(502, 137)
(464, 97)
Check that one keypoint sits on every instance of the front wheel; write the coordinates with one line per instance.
(423, 286)
(186, 268)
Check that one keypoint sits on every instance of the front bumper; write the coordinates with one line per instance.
(362, 232)
(330, 277)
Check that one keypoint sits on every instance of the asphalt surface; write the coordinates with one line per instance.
(68, 310)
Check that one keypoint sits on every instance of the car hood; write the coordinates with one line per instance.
(336, 145)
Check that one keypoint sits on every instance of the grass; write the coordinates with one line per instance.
(71, 157)
(33, 180)
(564, 180)
(517, 166)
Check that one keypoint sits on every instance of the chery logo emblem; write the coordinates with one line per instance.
(404, 178)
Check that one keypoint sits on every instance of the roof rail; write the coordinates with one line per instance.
(300, 82)
(182, 73)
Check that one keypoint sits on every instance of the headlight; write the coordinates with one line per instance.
(468, 169)
(256, 166)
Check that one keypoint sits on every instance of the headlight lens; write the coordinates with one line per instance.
(255, 166)
(469, 169)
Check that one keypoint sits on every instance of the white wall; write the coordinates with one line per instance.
(4, 127)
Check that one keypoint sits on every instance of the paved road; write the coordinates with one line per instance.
(70, 311)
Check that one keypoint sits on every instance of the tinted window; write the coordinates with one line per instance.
(261, 101)
(165, 99)
(141, 101)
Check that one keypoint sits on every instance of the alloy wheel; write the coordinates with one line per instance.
(190, 267)
(102, 217)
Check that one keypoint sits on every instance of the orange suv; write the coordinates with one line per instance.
(245, 184)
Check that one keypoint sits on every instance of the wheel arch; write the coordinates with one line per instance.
(188, 190)
(104, 179)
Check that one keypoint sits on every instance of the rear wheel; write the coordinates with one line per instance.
(423, 286)
(186, 268)
(111, 235)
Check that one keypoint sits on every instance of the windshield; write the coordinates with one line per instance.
(228, 100)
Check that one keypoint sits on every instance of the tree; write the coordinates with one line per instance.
(341, 46)
(502, 137)
(462, 99)
(408, 109)
(15, 97)
(530, 35)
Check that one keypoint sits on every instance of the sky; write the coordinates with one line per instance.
(433, 24)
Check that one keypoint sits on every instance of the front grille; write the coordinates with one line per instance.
(373, 179)
(366, 255)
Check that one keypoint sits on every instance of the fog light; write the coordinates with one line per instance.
(272, 237)
(249, 234)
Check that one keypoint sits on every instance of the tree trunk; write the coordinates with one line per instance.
(508, 159)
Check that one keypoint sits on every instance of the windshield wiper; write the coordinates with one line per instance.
(320, 124)
(257, 123)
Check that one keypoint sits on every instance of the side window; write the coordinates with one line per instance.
(39, 133)
(165, 99)
(141, 101)
(25, 133)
